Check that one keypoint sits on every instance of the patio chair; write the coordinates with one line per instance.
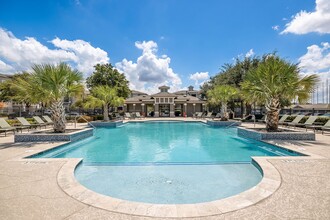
(217, 116)
(199, 115)
(40, 121)
(262, 119)
(282, 120)
(118, 116)
(296, 120)
(4, 127)
(138, 115)
(309, 122)
(26, 124)
(48, 119)
(325, 127)
(128, 115)
(209, 115)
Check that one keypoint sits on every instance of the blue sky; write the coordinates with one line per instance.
(158, 42)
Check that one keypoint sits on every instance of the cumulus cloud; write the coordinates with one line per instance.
(86, 56)
(275, 27)
(150, 70)
(317, 58)
(19, 55)
(317, 61)
(5, 68)
(199, 77)
(305, 22)
(249, 53)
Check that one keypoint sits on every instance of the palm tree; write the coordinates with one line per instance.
(50, 84)
(221, 95)
(104, 96)
(275, 82)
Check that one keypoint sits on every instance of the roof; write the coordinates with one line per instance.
(311, 106)
(188, 99)
(138, 92)
(137, 99)
(163, 87)
(164, 94)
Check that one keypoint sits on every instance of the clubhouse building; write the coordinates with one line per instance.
(166, 104)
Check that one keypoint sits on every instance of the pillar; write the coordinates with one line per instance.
(172, 109)
(156, 110)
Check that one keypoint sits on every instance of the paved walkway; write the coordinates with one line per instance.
(29, 188)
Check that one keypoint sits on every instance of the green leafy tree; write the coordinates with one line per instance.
(50, 84)
(222, 94)
(104, 96)
(106, 74)
(8, 92)
(233, 75)
(275, 82)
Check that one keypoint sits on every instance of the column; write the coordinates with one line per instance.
(156, 110)
(172, 109)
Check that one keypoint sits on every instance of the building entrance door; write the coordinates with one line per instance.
(164, 110)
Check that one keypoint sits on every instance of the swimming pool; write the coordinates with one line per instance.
(166, 162)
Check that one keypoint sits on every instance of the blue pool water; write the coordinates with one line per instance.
(167, 162)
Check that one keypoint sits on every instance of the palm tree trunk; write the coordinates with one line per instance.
(106, 112)
(58, 114)
(273, 110)
(224, 110)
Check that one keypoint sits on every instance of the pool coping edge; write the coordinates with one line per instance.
(270, 182)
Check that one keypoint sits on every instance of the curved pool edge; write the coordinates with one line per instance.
(270, 182)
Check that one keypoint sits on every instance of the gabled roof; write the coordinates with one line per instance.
(311, 106)
(137, 99)
(164, 94)
(138, 92)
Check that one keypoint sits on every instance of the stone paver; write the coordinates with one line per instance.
(29, 189)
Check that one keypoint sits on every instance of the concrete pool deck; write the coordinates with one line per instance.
(29, 188)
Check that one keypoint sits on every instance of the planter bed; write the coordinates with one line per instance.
(49, 136)
(284, 134)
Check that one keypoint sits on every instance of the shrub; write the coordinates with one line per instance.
(84, 118)
(98, 117)
(322, 120)
(12, 122)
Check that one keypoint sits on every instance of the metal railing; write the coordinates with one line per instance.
(88, 122)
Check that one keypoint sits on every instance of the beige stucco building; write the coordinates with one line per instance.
(166, 104)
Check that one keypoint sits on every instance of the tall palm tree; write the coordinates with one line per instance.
(275, 82)
(221, 95)
(51, 84)
(104, 96)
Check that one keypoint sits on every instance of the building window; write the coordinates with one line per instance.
(166, 100)
(170, 100)
(161, 100)
(157, 100)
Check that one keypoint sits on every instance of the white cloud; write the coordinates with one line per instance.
(317, 61)
(275, 27)
(306, 22)
(317, 58)
(249, 53)
(5, 68)
(199, 77)
(20, 54)
(150, 70)
(86, 55)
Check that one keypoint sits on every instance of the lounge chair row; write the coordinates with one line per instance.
(308, 124)
(24, 124)
(133, 115)
(208, 115)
